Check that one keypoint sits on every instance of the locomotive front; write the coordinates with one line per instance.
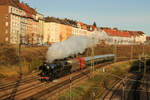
(54, 70)
(46, 69)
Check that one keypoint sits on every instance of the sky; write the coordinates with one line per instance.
(123, 14)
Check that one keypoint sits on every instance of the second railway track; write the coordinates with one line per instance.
(38, 87)
(42, 91)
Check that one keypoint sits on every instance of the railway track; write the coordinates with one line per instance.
(148, 88)
(62, 84)
(111, 91)
(32, 84)
(12, 84)
(136, 88)
(145, 86)
(30, 87)
(140, 87)
(116, 92)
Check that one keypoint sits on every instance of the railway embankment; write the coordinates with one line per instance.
(32, 57)
(29, 60)
(95, 87)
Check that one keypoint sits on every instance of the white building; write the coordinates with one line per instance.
(51, 32)
(117, 37)
(17, 23)
(40, 31)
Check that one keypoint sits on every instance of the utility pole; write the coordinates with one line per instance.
(123, 90)
(70, 94)
(143, 50)
(115, 51)
(131, 56)
(19, 50)
(18, 44)
(92, 63)
(139, 63)
(144, 65)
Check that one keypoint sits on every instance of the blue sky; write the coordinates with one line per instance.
(123, 14)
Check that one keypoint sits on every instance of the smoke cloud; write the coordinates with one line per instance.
(71, 46)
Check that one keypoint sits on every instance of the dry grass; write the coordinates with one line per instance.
(32, 57)
(12, 71)
(8, 54)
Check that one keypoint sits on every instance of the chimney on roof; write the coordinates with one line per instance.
(115, 28)
(94, 24)
(35, 9)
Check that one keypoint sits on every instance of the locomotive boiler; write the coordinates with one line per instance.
(59, 68)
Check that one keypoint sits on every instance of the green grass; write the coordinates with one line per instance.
(96, 85)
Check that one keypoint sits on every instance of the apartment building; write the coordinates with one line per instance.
(20, 23)
(51, 32)
(40, 27)
(32, 24)
(124, 36)
(137, 37)
(56, 32)
(23, 30)
(11, 16)
(117, 36)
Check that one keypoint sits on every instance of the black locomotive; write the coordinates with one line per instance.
(51, 71)
(59, 68)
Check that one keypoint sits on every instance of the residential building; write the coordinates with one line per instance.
(117, 37)
(32, 24)
(51, 32)
(138, 37)
(40, 27)
(10, 21)
(20, 23)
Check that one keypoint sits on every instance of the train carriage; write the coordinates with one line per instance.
(51, 71)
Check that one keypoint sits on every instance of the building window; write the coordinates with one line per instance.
(6, 39)
(6, 31)
(6, 23)
(11, 10)
(6, 16)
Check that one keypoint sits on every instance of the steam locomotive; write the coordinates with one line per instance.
(59, 68)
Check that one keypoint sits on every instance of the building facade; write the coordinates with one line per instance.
(20, 23)
(11, 21)
(51, 32)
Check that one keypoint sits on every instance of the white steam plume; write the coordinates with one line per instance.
(71, 46)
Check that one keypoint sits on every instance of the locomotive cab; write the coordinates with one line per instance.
(51, 71)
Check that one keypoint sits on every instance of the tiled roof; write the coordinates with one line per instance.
(136, 33)
(29, 11)
(83, 25)
(93, 27)
(14, 3)
(26, 9)
(113, 32)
